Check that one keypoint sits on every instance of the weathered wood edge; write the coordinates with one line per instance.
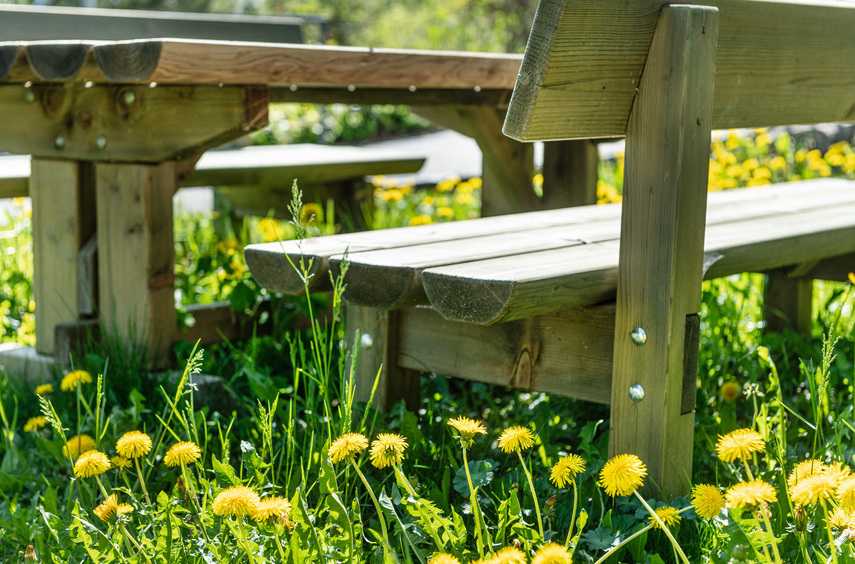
(131, 61)
(530, 78)
(57, 60)
(8, 58)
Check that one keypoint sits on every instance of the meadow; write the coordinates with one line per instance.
(107, 463)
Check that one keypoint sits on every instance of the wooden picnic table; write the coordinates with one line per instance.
(113, 127)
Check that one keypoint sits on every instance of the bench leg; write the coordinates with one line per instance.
(378, 331)
(136, 255)
(63, 200)
(569, 173)
(661, 251)
(787, 303)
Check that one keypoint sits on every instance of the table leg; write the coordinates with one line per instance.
(136, 256)
(63, 220)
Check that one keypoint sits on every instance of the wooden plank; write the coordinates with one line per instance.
(270, 263)
(568, 353)
(488, 97)
(63, 220)
(87, 277)
(136, 256)
(662, 242)
(378, 333)
(39, 23)
(125, 123)
(279, 165)
(221, 62)
(391, 278)
(584, 60)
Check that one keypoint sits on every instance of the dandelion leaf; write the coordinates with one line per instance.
(482, 474)
(342, 539)
(509, 518)
(224, 471)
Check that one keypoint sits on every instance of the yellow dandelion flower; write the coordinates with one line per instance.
(78, 444)
(184, 453)
(124, 509)
(133, 444)
(107, 508)
(566, 469)
(739, 444)
(852, 277)
(273, 507)
(622, 475)
(746, 495)
(91, 463)
(444, 558)
(44, 389)
(120, 462)
(838, 471)
(729, 391)
(75, 378)
(669, 516)
(387, 450)
(35, 423)
(236, 501)
(347, 446)
(708, 500)
(509, 555)
(804, 469)
(515, 439)
(421, 219)
(467, 428)
(842, 518)
(552, 553)
(846, 493)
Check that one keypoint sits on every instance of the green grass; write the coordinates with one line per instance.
(289, 396)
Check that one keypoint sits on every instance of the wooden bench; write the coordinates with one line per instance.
(258, 179)
(601, 302)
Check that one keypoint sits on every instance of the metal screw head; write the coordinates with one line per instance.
(59, 142)
(636, 393)
(638, 336)
(367, 341)
(29, 95)
(101, 142)
(129, 97)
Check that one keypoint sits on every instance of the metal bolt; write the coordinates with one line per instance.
(636, 393)
(638, 336)
(101, 142)
(29, 95)
(367, 341)
(129, 97)
(59, 142)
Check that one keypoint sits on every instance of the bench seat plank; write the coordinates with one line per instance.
(386, 266)
(513, 287)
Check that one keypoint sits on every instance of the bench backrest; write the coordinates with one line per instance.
(778, 63)
(35, 23)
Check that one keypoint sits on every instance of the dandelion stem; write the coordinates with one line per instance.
(133, 542)
(387, 547)
(831, 546)
(533, 493)
(245, 540)
(665, 529)
(623, 543)
(572, 517)
(476, 509)
(771, 535)
(100, 485)
(142, 482)
(279, 545)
